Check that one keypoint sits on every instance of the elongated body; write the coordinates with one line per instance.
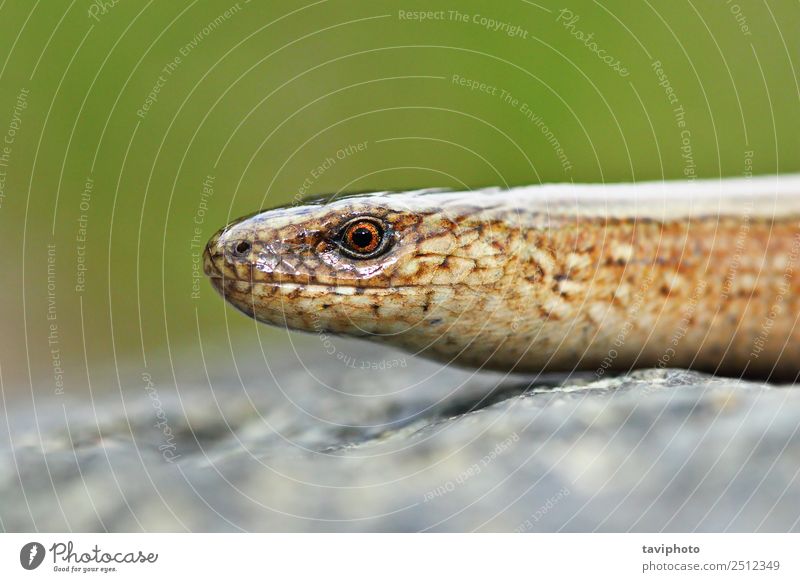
(702, 274)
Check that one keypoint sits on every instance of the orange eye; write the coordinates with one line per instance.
(363, 238)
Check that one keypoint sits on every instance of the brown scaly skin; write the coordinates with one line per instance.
(531, 280)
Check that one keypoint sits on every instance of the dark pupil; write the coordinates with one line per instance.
(362, 237)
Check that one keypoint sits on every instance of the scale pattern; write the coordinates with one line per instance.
(518, 280)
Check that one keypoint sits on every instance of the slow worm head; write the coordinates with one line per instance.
(701, 274)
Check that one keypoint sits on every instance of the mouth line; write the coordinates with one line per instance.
(332, 286)
(291, 284)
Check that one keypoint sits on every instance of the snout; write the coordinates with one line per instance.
(212, 255)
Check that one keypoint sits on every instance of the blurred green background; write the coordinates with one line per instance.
(251, 98)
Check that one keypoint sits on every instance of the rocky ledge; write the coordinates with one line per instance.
(405, 445)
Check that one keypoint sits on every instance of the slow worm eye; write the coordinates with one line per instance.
(363, 239)
(242, 248)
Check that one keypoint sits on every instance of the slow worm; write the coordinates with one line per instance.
(702, 274)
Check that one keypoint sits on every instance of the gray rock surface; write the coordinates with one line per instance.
(313, 444)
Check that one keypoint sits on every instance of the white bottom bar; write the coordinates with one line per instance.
(401, 557)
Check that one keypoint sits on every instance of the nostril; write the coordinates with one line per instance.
(242, 248)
